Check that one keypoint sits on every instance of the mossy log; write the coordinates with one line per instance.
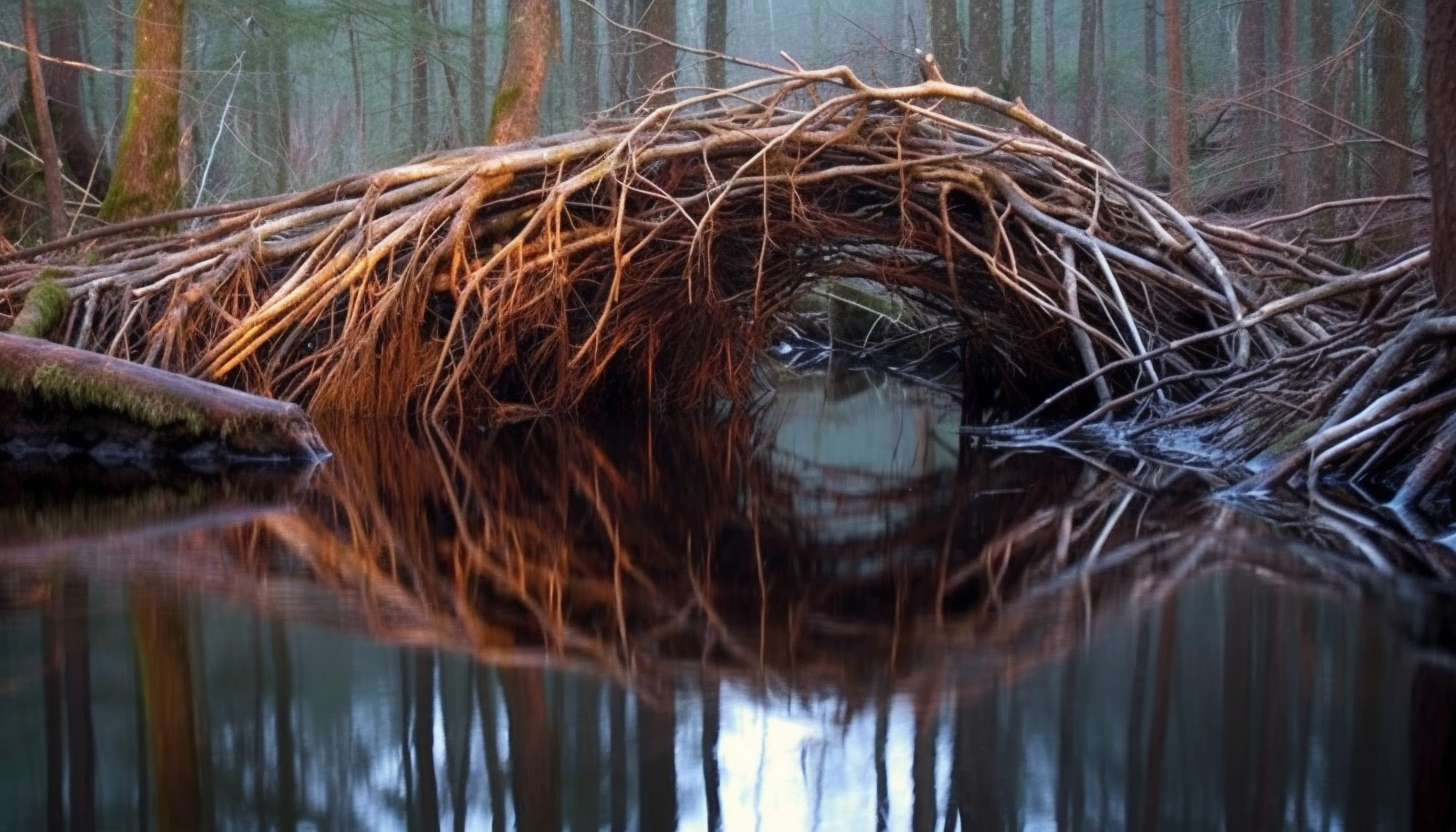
(57, 401)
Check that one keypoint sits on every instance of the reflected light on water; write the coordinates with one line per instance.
(726, 626)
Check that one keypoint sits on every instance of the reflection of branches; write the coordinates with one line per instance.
(665, 545)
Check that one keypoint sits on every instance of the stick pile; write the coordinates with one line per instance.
(651, 260)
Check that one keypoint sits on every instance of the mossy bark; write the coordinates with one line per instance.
(146, 180)
(532, 32)
(53, 396)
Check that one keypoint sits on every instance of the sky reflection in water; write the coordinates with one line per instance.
(331, 695)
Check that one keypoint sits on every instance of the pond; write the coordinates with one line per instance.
(838, 615)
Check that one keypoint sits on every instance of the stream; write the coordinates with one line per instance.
(840, 614)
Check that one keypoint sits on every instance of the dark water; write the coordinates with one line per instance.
(836, 618)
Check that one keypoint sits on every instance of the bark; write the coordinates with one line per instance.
(1253, 73)
(983, 55)
(531, 35)
(1020, 79)
(420, 80)
(50, 161)
(1392, 112)
(1150, 71)
(584, 55)
(282, 104)
(147, 180)
(75, 140)
(452, 84)
(360, 111)
(477, 70)
(45, 386)
(1087, 102)
(1291, 161)
(715, 38)
(945, 37)
(655, 64)
(1177, 106)
(1049, 95)
(1323, 163)
(1440, 138)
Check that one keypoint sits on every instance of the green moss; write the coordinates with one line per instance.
(44, 307)
(504, 101)
(51, 382)
(1290, 438)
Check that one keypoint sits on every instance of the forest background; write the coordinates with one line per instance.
(1233, 106)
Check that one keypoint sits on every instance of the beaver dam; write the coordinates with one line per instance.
(652, 261)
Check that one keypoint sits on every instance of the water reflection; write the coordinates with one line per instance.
(723, 625)
(1234, 703)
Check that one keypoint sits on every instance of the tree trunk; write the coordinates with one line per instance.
(1020, 80)
(146, 180)
(1253, 74)
(1323, 163)
(283, 105)
(1392, 164)
(452, 85)
(1291, 161)
(655, 63)
(584, 56)
(477, 71)
(1177, 107)
(945, 37)
(715, 38)
(1150, 71)
(1440, 137)
(1049, 94)
(420, 79)
(1087, 102)
(983, 57)
(76, 142)
(531, 34)
(50, 161)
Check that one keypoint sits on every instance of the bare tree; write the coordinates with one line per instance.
(1087, 100)
(1020, 77)
(1291, 109)
(50, 161)
(984, 66)
(715, 38)
(420, 78)
(1440, 138)
(1177, 106)
(1253, 75)
(654, 66)
(945, 37)
(1389, 68)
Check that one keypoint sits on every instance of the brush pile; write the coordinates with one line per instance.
(652, 261)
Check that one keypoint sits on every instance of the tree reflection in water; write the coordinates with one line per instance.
(675, 625)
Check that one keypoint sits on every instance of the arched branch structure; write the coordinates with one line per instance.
(651, 259)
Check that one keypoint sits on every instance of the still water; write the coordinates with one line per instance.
(838, 617)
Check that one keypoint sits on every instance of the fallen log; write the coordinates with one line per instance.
(58, 401)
